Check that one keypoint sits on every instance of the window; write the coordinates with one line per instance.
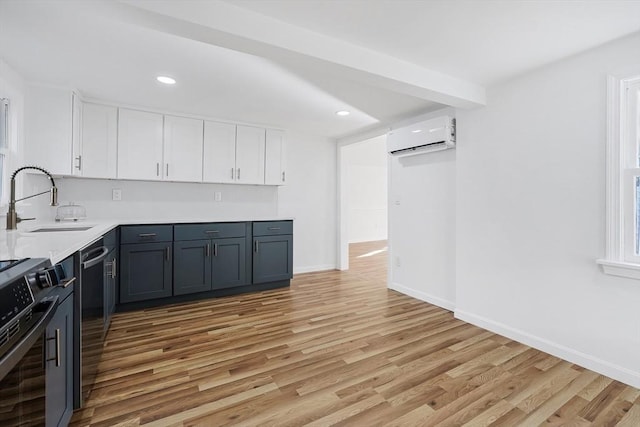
(623, 177)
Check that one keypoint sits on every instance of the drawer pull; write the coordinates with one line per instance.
(147, 235)
(273, 228)
(211, 231)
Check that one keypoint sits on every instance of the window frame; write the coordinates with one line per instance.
(623, 168)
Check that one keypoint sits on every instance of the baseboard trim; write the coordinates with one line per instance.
(603, 367)
(313, 268)
(423, 296)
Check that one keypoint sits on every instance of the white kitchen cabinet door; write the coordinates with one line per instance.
(49, 129)
(139, 145)
(182, 149)
(219, 156)
(76, 133)
(250, 142)
(98, 151)
(274, 160)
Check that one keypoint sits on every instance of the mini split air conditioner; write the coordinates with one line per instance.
(424, 137)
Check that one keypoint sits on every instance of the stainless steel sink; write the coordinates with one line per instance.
(54, 229)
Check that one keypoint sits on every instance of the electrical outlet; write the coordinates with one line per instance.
(397, 261)
(116, 194)
(217, 196)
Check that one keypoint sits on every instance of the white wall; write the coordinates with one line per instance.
(531, 216)
(366, 179)
(12, 86)
(310, 196)
(422, 228)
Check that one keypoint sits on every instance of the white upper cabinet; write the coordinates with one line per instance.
(49, 128)
(250, 143)
(275, 162)
(96, 156)
(139, 145)
(219, 155)
(182, 149)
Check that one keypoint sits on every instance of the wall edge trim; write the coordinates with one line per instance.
(423, 296)
(313, 268)
(598, 365)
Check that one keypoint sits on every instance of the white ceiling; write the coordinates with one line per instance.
(292, 64)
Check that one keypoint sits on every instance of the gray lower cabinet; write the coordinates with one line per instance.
(229, 263)
(272, 251)
(207, 264)
(192, 262)
(59, 365)
(146, 271)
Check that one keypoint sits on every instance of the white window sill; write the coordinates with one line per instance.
(619, 268)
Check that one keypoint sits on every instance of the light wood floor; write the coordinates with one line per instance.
(337, 348)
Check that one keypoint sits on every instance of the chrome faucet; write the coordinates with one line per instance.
(12, 215)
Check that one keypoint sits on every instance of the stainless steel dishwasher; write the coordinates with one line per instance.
(92, 328)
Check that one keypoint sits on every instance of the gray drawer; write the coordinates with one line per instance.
(272, 228)
(146, 233)
(213, 230)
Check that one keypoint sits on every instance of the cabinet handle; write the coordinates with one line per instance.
(215, 249)
(238, 173)
(113, 269)
(212, 231)
(283, 176)
(79, 165)
(232, 175)
(168, 253)
(207, 250)
(57, 356)
(167, 169)
(273, 228)
(157, 169)
(255, 244)
(147, 235)
(66, 283)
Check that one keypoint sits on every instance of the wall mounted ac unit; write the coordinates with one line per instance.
(424, 137)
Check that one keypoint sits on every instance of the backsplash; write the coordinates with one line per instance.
(151, 200)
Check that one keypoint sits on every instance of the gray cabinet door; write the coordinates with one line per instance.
(146, 271)
(272, 258)
(229, 262)
(192, 266)
(59, 365)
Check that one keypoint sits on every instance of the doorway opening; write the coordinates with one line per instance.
(364, 205)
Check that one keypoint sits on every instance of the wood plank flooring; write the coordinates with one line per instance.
(337, 348)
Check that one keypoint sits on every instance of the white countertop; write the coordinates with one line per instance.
(58, 245)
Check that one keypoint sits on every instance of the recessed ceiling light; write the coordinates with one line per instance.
(342, 113)
(417, 131)
(166, 80)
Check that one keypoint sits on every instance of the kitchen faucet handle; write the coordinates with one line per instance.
(18, 219)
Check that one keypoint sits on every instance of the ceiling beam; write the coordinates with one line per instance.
(229, 26)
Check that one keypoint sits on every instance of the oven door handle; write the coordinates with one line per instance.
(13, 357)
(94, 259)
